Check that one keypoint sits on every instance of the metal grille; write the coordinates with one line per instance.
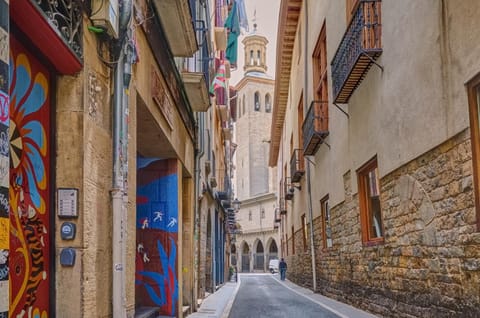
(360, 45)
(66, 17)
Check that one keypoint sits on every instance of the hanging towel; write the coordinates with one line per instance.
(233, 25)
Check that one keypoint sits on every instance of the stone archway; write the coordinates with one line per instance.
(259, 258)
(245, 258)
(272, 249)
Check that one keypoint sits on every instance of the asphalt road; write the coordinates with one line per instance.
(262, 296)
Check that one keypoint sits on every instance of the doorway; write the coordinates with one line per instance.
(31, 231)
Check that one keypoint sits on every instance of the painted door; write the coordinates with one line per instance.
(156, 279)
(29, 190)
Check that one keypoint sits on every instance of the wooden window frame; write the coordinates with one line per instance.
(293, 240)
(300, 119)
(350, 8)
(324, 222)
(304, 232)
(365, 205)
(320, 66)
(473, 94)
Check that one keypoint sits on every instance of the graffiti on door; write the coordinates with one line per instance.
(157, 232)
(29, 191)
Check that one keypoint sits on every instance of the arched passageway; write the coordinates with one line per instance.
(245, 258)
(259, 262)
(273, 250)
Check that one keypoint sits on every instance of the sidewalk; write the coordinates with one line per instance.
(219, 304)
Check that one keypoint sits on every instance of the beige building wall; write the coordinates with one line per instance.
(412, 115)
(84, 161)
(407, 82)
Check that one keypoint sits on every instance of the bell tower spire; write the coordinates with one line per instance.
(255, 46)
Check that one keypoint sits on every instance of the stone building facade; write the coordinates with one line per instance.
(382, 214)
(257, 241)
(101, 111)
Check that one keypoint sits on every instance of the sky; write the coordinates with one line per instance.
(267, 20)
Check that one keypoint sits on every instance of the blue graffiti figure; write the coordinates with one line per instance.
(166, 279)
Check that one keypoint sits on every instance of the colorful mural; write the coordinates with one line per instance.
(157, 233)
(4, 157)
(29, 192)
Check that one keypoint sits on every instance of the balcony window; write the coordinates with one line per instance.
(315, 127)
(319, 63)
(297, 169)
(370, 210)
(360, 47)
(289, 190)
(473, 90)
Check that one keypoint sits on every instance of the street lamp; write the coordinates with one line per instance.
(236, 204)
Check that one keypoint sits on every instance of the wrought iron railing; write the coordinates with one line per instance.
(315, 127)
(362, 38)
(66, 16)
(297, 169)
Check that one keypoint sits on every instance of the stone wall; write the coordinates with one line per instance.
(429, 264)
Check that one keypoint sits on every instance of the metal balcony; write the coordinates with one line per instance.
(315, 127)
(297, 166)
(55, 27)
(288, 189)
(360, 46)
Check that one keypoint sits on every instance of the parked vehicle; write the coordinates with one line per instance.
(273, 266)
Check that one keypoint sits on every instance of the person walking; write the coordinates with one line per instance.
(282, 266)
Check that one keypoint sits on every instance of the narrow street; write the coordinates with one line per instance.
(264, 295)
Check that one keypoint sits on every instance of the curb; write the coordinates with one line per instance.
(228, 308)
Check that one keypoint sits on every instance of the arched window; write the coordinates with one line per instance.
(258, 57)
(257, 101)
(251, 57)
(268, 103)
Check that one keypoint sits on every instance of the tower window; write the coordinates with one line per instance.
(268, 103)
(258, 57)
(251, 57)
(257, 101)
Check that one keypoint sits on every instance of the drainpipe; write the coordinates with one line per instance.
(309, 183)
(122, 75)
(200, 153)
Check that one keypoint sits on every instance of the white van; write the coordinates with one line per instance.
(273, 266)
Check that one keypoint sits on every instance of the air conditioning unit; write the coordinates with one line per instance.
(105, 15)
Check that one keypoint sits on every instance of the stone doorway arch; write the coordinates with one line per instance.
(259, 259)
(272, 249)
(245, 258)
